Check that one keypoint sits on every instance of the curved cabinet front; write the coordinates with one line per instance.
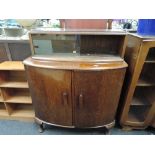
(75, 98)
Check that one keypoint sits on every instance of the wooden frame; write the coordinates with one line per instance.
(136, 53)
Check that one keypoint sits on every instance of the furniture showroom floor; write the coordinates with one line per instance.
(30, 128)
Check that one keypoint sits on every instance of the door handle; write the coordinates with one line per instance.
(65, 98)
(36, 46)
(80, 100)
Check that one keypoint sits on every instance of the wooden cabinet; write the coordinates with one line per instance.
(77, 97)
(138, 97)
(15, 99)
(77, 83)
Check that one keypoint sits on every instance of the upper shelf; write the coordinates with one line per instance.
(14, 84)
(77, 31)
(12, 65)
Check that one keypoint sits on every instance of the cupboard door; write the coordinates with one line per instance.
(96, 96)
(51, 95)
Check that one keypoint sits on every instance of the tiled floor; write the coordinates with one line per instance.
(27, 128)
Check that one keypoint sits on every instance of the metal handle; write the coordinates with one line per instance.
(65, 98)
(36, 46)
(80, 100)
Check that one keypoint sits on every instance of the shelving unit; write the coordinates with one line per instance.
(138, 96)
(15, 99)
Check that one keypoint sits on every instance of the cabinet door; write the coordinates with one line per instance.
(96, 96)
(51, 94)
(43, 47)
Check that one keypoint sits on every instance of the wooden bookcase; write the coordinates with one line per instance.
(15, 99)
(138, 97)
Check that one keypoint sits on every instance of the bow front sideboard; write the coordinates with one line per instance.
(76, 76)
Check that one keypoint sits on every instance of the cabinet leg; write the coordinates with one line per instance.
(104, 130)
(41, 128)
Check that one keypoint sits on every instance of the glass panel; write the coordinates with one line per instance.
(50, 44)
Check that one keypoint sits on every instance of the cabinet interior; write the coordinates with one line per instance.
(151, 55)
(143, 96)
(138, 113)
(147, 75)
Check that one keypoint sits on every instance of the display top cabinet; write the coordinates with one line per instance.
(75, 76)
(138, 95)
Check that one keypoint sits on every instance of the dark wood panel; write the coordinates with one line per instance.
(96, 96)
(100, 44)
(51, 95)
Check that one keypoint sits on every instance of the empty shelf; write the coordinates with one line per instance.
(137, 114)
(23, 113)
(14, 84)
(139, 101)
(150, 61)
(143, 96)
(145, 82)
(19, 99)
(12, 65)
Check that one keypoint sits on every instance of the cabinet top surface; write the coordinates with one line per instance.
(143, 36)
(12, 65)
(77, 31)
(76, 63)
(80, 57)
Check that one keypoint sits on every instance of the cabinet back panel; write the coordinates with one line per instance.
(100, 44)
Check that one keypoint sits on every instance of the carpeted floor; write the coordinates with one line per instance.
(30, 128)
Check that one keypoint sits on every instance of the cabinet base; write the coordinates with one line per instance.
(41, 127)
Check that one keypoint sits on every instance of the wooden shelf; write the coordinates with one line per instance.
(147, 75)
(137, 114)
(143, 96)
(150, 61)
(14, 84)
(140, 101)
(12, 65)
(145, 82)
(23, 113)
(19, 99)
